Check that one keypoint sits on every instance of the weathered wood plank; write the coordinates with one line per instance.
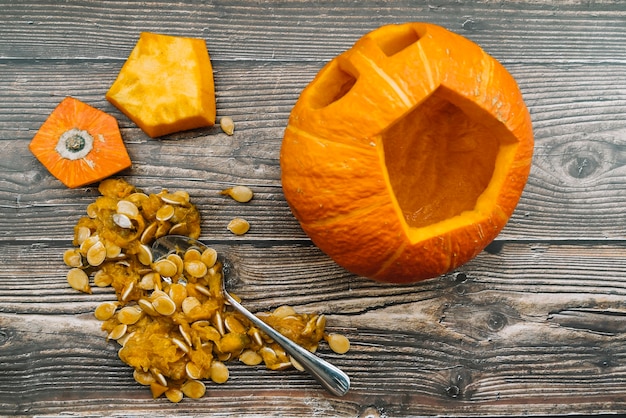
(578, 164)
(514, 30)
(488, 340)
(532, 326)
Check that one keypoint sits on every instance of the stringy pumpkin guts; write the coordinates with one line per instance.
(80, 144)
(170, 316)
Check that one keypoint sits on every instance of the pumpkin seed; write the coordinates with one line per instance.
(78, 280)
(112, 250)
(118, 332)
(129, 315)
(143, 378)
(209, 257)
(147, 281)
(73, 258)
(232, 324)
(88, 243)
(195, 268)
(128, 208)
(147, 307)
(92, 210)
(178, 293)
(194, 389)
(227, 124)
(137, 198)
(144, 255)
(193, 370)
(165, 213)
(96, 254)
(105, 310)
(174, 395)
(219, 372)
(159, 377)
(180, 228)
(295, 364)
(123, 221)
(102, 279)
(189, 303)
(184, 347)
(164, 305)
(185, 335)
(175, 198)
(338, 343)
(82, 233)
(148, 233)
(240, 194)
(250, 358)
(165, 267)
(238, 226)
(127, 291)
(192, 254)
(284, 311)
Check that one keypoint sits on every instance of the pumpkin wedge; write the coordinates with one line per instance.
(166, 85)
(80, 144)
(407, 154)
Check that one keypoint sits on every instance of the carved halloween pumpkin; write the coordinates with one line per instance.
(407, 154)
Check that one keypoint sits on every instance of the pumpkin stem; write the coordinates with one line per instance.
(74, 144)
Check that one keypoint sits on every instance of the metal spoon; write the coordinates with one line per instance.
(330, 377)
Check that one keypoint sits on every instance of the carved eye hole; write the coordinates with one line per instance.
(333, 84)
(404, 37)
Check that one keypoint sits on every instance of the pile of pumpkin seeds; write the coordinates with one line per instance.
(170, 317)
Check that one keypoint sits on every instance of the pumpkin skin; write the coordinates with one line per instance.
(407, 154)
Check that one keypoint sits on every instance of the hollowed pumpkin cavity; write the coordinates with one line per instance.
(439, 160)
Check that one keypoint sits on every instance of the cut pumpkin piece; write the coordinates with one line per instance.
(80, 144)
(166, 85)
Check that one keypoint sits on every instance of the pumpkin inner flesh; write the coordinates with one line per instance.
(439, 160)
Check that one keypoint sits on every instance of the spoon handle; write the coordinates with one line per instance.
(332, 378)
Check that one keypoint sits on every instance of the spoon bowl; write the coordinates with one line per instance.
(329, 376)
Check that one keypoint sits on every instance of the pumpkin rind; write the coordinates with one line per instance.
(334, 173)
(166, 85)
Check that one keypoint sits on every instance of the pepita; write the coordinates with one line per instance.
(128, 208)
(144, 255)
(96, 254)
(165, 267)
(164, 305)
(194, 389)
(165, 213)
(241, 194)
(78, 280)
(122, 220)
(105, 310)
(129, 315)
(118, 332)
(219, 372)
(238, 226)
(174, 395)
(73, 258)
(338, 343)
(227, 125)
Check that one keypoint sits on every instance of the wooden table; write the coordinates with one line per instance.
(535, 325)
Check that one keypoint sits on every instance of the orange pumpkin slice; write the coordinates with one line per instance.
(80, 144)
(407, 154)
(166, 85)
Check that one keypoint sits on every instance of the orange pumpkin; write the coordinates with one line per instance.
(407, 154)
(80, 144)
(166, 85)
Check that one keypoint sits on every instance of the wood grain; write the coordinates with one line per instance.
(535, 325)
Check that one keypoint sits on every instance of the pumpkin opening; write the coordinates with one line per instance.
(402, 37)
(334, 83)
(439, 159)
